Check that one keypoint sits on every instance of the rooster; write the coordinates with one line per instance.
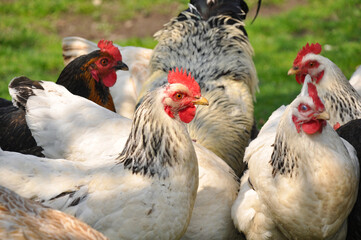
(23, 219)
(96, 140)
(341, 100)
(148, 186)
(127, 87)
(303, 178)
(89, 76)
(209, 39)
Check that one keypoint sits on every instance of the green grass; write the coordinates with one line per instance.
(30, 44)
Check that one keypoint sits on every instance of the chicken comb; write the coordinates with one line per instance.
(312, 92)
(107, 46)
(313, 48)
(180, 76)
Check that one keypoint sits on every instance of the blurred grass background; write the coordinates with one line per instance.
(31, 34)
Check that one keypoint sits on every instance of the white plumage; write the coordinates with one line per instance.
(85, 132)
(137, 193)
(299, 185)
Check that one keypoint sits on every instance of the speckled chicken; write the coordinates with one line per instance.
(209, 39)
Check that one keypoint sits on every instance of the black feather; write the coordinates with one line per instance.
(351, 132)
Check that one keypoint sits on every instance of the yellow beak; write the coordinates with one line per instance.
(200, 101)
(293, 70)
(323, 116)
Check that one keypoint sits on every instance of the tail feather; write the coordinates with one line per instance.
(21, 88)
(210, 8)
(74, 47)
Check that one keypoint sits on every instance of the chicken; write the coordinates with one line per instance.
(147, 190)
(96, 140)
(89, 76)
(340, 98)
(209, 39)
(127, 87)
(303, 178)
(23, 219)
(355, 79)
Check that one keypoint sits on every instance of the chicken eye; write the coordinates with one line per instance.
(303, 107)
(178, 96)
(104, 62)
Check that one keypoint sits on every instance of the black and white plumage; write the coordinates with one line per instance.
(303, 178)
(141, 193)
(209, 39)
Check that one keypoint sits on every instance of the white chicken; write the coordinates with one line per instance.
(23, 219)
(129, 83)
(303, 178)
(341, 100)
(147, 191)
(66, 131)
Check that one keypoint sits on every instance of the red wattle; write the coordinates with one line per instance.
(300, 78)
(110, 79)
(187, 114)
(312, 126)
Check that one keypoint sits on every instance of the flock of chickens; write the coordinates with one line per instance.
(118, 149)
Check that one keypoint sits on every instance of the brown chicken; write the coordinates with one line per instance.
(89, 76)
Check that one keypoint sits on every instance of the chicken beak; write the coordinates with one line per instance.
(121, 66)
(323, 116)
(200, 101)
(293, 70)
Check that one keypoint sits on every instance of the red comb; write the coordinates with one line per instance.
(313, 48)
(176, 76)
(107, 46)
(312, 92)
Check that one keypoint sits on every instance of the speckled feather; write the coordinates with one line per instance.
(23, 219)
(218, 54)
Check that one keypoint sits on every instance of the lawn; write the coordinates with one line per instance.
(31, 33)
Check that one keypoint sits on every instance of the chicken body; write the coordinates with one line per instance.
(94, 135)
(209, 40)
(139, 194)
(23, 219)
(302, 180)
